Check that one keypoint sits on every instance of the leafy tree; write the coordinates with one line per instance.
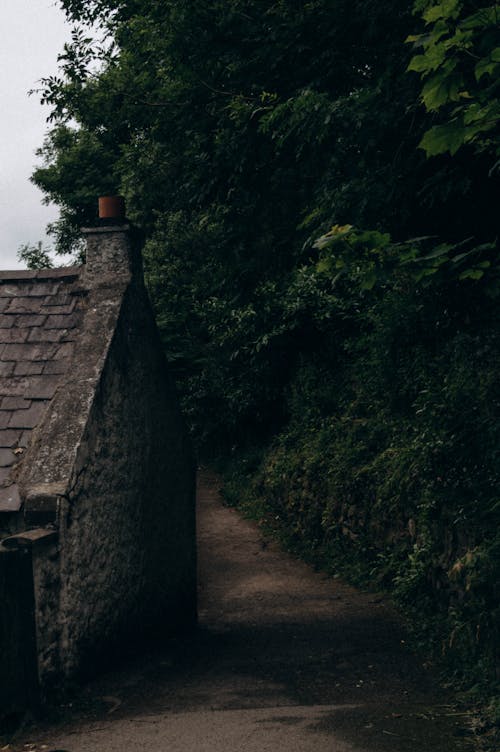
(459, 62)
(35, 256)
(237, 132)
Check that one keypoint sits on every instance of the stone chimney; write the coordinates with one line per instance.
(112, 252)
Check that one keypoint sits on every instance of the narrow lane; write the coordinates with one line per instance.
(284, 659)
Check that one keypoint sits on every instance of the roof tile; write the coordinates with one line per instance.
(5, 474)
(58, 321)
(25, 439)
(37, 387)
(24, 305)
(65, 302)
(27, 368)
(28, 351)
(41, 289)
(9, 437)
(40, 316)
(6, 369)
(28, 320)
(64, 351)
(14, 403)
(12, 291)
(8, 336)
(28, 418)
(7, 457)
(40, 334)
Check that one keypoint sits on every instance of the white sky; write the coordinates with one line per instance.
(32, 33)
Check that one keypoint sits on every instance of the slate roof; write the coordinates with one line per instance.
(40, 317)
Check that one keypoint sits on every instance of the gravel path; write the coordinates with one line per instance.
(284, 659)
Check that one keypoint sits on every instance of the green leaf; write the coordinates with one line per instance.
(461, 256)
(324, 265)
(488, 65)
(309, 219)
(441, 250)
(333, 236)
(471, 274)
(481, 19)
(442, 138)
(369, 279)
(444, 9)
(439, 90)
(429, 61)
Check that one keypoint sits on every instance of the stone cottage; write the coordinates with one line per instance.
(96, 477)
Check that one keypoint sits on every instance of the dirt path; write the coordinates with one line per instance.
(284, 659)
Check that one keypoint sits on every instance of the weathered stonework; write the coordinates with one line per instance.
(109, 468)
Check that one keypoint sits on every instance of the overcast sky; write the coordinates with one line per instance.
(32, 33)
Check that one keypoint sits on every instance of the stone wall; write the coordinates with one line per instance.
(46, 586)
(127, 538)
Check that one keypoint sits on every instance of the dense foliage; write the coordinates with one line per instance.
(391, 467)
(362, 363)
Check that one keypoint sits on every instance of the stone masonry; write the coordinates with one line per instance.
(96, 476)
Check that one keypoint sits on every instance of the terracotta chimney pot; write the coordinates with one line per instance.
(112, 207)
